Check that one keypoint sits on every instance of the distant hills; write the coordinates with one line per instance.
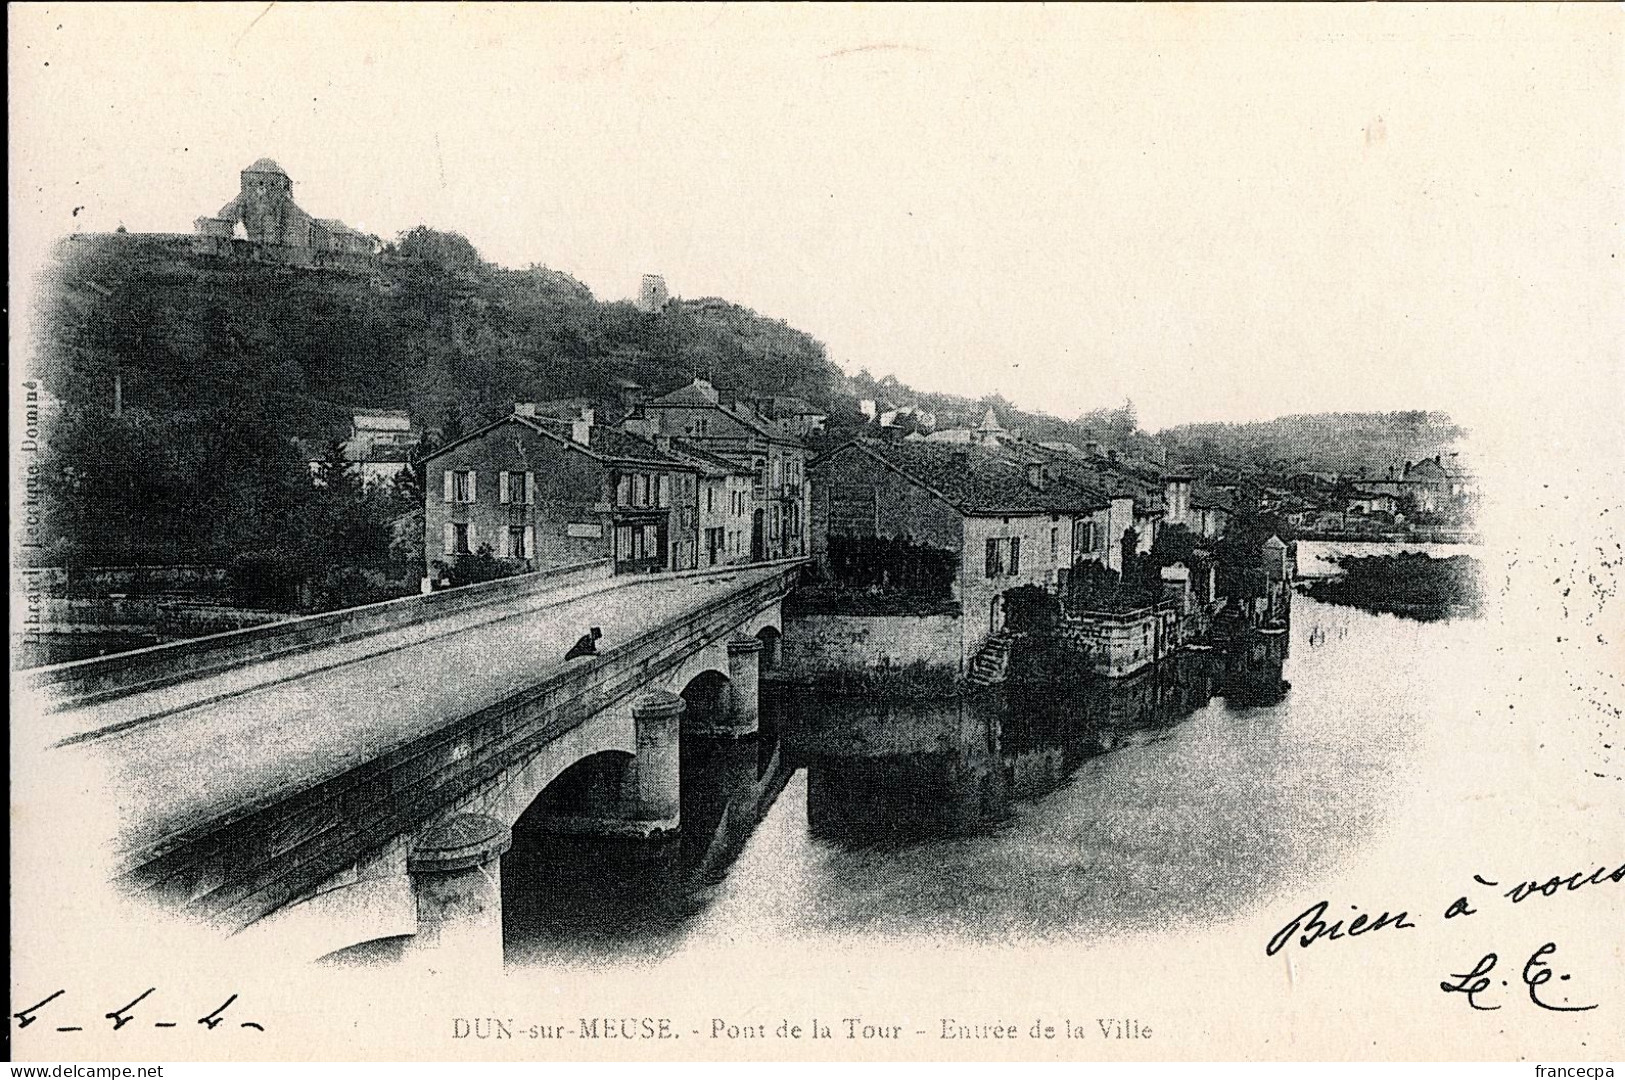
(1344, 443)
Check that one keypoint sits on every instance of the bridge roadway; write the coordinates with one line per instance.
(223, 744)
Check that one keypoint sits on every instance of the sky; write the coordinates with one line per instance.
(1220, 213)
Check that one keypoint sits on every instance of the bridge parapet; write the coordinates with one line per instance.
(83, 682)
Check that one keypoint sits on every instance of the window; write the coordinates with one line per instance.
(515, 487)
(1054, 543)
(459, 486)
(662, 488)
(456, 539)
(519, 541)
(623, 490)
(640, 490)
(1003, 557)
(710, 499)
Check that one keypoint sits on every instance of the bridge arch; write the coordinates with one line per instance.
(772, 639)
(769, 616)
(590, 789)
(709, 699)
(611, 732)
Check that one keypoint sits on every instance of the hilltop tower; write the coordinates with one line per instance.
(266, 207)
(652, 294)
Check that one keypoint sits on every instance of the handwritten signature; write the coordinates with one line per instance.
(125, 1014)
(1314, 924)
(1536, 973)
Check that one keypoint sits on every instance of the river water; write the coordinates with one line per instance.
(1149, 804)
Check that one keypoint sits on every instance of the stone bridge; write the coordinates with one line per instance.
(358, 775)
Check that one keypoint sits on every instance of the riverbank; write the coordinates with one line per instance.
(1412, 585)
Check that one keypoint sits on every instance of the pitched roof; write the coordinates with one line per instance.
(1207, 497)
(710, 464)
(607, 444)
(976, 480)
(611, 444)
(1096, 473)
(698, 392)
(265, 165)
(334, 225)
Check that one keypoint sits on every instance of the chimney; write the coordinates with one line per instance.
(1035, 475)
(524, 408)
(581, 430)
(587, 413)
(1176, 499)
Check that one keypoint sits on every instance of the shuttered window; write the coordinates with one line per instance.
(459, 486)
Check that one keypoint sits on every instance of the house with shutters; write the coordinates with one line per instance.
(999, 520)
(541, 493)
(721, 535)
(734, 430)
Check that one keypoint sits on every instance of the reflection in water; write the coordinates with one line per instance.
(883, 775)
(1141, 805)
(571, 898)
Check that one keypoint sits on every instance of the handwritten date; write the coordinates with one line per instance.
(126, 1014)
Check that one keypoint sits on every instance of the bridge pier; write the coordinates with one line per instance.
(456, 873)
(744, 686)
(657, 718)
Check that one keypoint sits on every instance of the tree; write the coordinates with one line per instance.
(441, 250)
(1123, 423)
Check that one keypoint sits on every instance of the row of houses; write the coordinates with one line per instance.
(1002, 513)
(695, 479)
(687, 481)
(1439, 490)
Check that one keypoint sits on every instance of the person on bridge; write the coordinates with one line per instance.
(587, 646)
